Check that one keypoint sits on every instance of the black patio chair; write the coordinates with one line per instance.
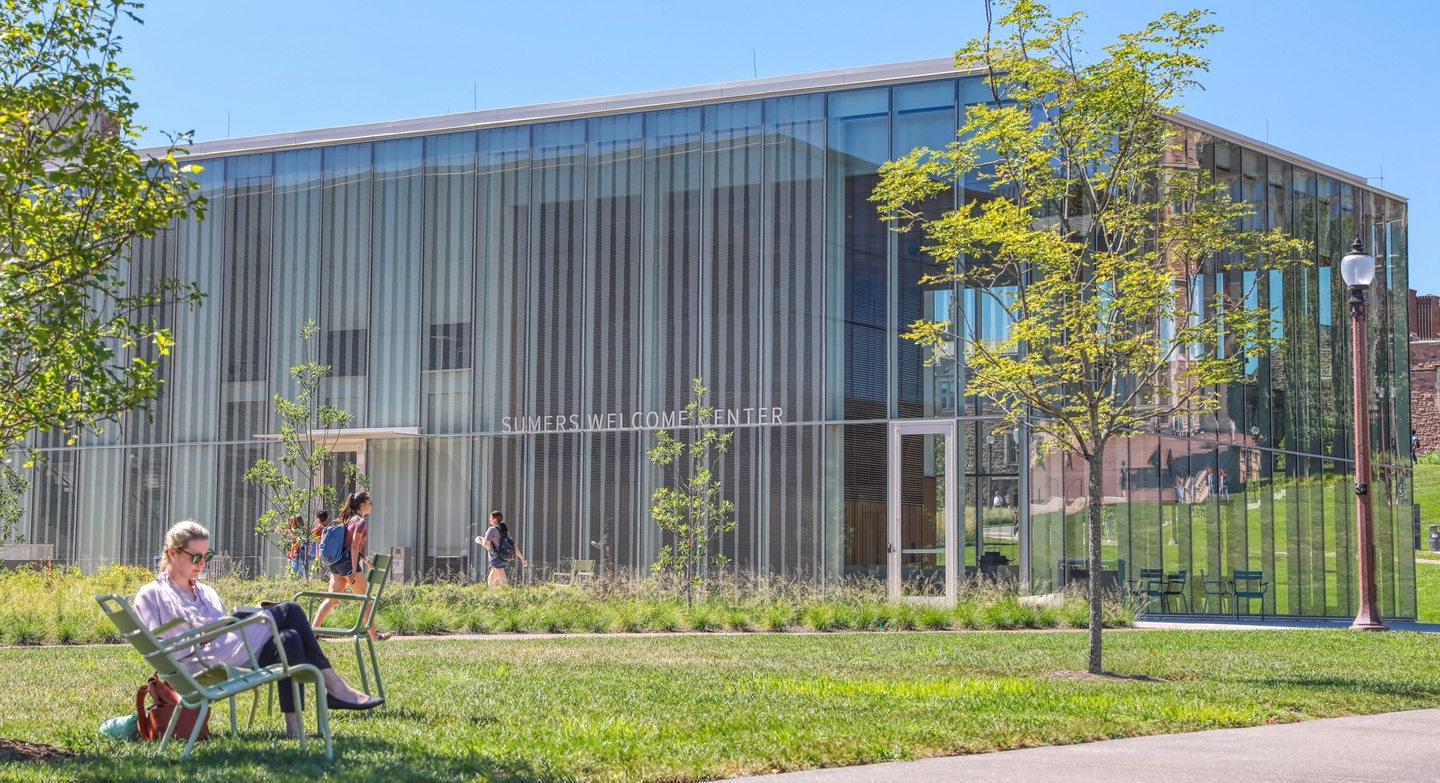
(1247, 585)
(1215, 589)
(1175, 587)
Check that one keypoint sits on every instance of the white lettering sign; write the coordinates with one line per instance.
(641, 420)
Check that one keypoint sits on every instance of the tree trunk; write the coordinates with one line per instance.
(1097, 467)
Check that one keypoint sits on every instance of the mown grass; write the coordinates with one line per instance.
(695, 707)
(57, 606)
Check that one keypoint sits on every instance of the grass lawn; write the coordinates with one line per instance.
(699, 706)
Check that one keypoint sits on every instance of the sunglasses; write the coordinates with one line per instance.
(198, 559)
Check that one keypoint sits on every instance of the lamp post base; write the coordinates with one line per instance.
(1366, 621)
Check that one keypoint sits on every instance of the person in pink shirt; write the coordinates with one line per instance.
(177, 593)
(347, 572)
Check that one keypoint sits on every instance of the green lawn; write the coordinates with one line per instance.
(696, 707)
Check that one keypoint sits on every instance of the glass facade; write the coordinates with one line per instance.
(511, 310)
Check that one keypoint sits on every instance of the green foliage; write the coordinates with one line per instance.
(80, 330)
(57, 606)
(692, 509)
(1092, 237)
(291, 483)
(12, 507)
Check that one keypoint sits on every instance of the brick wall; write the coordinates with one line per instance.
(1425, 393)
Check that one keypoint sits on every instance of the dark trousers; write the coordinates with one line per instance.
(299, 643)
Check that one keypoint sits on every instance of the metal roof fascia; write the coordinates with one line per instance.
(574, 109)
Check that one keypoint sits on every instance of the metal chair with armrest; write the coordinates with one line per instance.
(579, 569)
(369, 603)
(1215, 589)
(221, 682)
(1247, 585)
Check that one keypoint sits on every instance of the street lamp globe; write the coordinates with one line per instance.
(1358, 267)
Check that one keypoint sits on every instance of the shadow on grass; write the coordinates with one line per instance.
(357, 760)
(1357, 685)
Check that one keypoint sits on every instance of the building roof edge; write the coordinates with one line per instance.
(654, 99)
(1281, 152)
(564, 110)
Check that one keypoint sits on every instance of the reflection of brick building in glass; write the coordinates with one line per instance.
(1424, 316)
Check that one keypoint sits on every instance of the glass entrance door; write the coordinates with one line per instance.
(923, 555)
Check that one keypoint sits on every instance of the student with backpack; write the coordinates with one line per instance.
(501, 549)
(342, 548)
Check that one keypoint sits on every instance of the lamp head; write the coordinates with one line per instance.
(1358, 267)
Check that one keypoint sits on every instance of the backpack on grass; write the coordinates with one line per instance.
(332, 544)
(152, 720)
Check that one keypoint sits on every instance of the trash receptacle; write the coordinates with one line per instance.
(1435, 538)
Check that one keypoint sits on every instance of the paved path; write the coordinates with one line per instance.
(1183, 623)
(1398, 746)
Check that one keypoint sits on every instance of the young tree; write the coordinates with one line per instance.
(292, 483)
(77, 342)
(1089, 237)
(692, 509)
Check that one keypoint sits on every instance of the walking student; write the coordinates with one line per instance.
(348, 571)
(500, 549)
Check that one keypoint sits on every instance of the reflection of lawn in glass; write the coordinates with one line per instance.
(999, 524)
(1301, 530)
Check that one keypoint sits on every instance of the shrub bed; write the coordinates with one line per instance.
(57, 606)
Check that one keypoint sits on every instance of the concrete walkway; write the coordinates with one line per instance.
(1397, 746)
(1213, 623)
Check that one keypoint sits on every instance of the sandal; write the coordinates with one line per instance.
(384, 637)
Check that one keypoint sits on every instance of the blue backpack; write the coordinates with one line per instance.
(332, 544)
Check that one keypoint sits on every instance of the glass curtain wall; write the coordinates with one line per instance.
(536, 300)
(1264, 483)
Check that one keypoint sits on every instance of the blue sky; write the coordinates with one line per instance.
(1350, 84)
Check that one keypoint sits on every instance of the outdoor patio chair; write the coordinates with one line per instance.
(1151, 584)
(1247, 585)
(220, 682)
(1215, 589)
(369, 604)
(1175, 587)
(579, 569)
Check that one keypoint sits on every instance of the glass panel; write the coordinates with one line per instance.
(396, 342)
(448, 266)
(923, 477)
(863, 467)
(345, 289)
(858, 361)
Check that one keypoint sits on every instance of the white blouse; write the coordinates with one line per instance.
(162, 600)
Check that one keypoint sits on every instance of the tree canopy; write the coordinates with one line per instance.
(79, 340)
(1094, 220)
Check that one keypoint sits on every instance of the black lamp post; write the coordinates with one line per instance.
(1358, 270)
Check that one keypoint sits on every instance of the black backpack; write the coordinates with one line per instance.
(505, 549)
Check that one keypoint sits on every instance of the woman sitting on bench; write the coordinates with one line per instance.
(176, 593)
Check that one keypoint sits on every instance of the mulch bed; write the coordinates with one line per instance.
(14, 750)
